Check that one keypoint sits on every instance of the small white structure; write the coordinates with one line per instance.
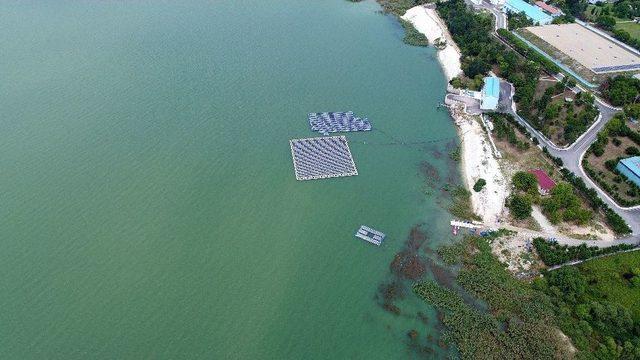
(490, 93)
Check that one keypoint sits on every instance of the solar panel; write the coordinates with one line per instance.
(322, 157)
(616, 68)
(330, 122)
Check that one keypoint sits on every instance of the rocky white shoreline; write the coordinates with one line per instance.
(427, 21)
(477, 160)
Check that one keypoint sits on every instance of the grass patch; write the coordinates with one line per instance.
(461, 206)
(616, 278)
(398, 7)
(596, 305)
(631, 27)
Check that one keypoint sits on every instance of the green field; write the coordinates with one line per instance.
(616, 279)
(592, 12)
(631, 27)
(627, 25)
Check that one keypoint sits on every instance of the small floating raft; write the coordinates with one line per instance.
(368, 234)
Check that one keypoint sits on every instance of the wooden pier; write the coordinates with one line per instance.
(473, 226)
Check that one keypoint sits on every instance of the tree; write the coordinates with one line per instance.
(574, 7)
(524, 181)
(552, 111)
(606, 22)
(632, 110)
(632, 150)
(571, 283)
(477, 187)
(520, 206)
(563, 195)
(621, 90)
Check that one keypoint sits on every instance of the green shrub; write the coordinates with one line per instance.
(524, 181)
(477, 187)
(520, 206)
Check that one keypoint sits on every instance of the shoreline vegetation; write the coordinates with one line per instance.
(593, 303)
(486, 311)
(412, 36)
(517, 321)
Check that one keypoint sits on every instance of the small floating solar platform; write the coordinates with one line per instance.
(368, 234)
(322, 157)
(330, 122)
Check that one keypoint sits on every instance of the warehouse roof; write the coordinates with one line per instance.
(633, 164)
(544, 181)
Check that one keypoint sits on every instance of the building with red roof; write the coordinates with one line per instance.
(545, 183)
(551, 10)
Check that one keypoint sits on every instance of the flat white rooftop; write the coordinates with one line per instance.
(591, 50)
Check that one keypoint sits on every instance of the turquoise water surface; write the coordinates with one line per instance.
(149, 208)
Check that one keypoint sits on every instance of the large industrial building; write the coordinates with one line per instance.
(630, 168)
(590, 49)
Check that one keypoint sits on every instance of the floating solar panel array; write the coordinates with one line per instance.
(322, 157)
(330, 122)
(371, 235)
(616, 68)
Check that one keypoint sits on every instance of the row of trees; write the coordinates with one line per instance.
(616, 128)
(553, 253)
(564, 205)
(502, 130)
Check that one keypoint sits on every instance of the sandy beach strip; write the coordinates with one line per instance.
(478, 161)
(427, 21)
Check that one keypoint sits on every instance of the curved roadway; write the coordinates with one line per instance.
(572, 160)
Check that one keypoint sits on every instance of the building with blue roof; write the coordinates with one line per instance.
(630, 168)
(490, 93)
(533, 12)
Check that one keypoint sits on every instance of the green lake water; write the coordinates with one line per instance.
(148, 205)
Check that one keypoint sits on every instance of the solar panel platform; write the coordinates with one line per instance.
(330, 122)
(322, 157)
(371, 235)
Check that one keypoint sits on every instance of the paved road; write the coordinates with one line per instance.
(501, 17)
(572, 156)
(561, 239)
